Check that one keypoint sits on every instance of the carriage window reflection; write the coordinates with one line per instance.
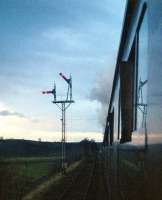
(142, 77)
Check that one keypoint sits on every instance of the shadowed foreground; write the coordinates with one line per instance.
(86, 181)
(97, 177)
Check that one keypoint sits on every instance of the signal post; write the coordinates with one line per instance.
(63, 105)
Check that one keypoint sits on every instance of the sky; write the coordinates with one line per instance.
(41, 38)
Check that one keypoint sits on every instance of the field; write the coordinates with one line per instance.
(20, 175)
(25, 165)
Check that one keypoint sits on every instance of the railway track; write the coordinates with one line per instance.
(98, 187)
(78, 185)
(86, 182)
(89, 184)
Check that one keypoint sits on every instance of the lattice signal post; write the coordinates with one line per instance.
(63, 105)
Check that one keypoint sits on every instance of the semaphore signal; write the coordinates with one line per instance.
(62, 105)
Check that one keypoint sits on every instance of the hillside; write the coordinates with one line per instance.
(20, 148)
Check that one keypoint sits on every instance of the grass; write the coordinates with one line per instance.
(32, 167)
(30, 159)
(36, 194)
(19, 175)
(35, 170)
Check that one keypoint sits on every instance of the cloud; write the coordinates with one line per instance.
(8, 113)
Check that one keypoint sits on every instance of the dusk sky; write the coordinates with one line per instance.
(39, 39)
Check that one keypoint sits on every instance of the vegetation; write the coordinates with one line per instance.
(24, 164)
(17, 178)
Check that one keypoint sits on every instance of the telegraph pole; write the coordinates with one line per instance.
(63, 105)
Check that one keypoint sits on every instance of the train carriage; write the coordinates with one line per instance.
(133, 129)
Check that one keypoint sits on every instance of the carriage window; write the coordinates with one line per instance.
(142, 67)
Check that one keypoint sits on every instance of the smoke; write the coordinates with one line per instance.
(101, 93)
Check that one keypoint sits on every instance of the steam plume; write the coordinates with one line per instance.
(101, 93)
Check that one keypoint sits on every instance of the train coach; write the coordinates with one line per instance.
(133, 132)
